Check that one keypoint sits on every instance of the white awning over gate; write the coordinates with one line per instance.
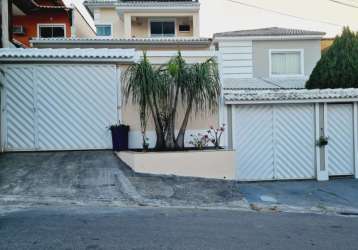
(80, 55)
(290, 96)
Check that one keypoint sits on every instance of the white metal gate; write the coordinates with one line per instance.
(275, 142)
(59, 107)
(340, 149)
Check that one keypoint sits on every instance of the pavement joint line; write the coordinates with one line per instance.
(128, 189)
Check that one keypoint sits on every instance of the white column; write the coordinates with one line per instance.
(5, 23)
(355, 129)
(196, 25)
(127, 25)
(74, 20)
(321, 167)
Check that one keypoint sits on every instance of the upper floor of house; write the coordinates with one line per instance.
(26, 20)
(145, 19)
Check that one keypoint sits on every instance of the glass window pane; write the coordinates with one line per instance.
(286, 63)
(169, 28)
(45, 32)
(184, 27)
(156, 28)
(103, 30)
(58, 31)
(52, 31)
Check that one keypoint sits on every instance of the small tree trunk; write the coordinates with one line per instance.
(181, 134)
(170, 137)
(160, 143)
(170, 140)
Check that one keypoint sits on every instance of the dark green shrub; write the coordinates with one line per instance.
(338, 66)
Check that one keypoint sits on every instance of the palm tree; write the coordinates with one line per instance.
(144, 85)
(201, 92)
(160, 90)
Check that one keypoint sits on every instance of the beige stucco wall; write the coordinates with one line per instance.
(198, 121)
(141, 27)
(82, 27)
(312, 54)
(110, 16)
(205, 164)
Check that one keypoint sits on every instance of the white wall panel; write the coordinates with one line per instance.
(254, 136)
(73, 106)
(236, 59)
(275, 142)
(294, 141)
(340, 144)
(20, 109)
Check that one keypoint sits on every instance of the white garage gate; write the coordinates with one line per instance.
(279, 134)
(275, 141)
(57, 106)
(340, 131)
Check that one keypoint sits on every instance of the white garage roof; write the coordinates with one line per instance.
(290, 96)
(34, 54)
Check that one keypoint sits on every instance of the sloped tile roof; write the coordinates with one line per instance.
(271, 31)
(157, 3)
(265, 83)
(150, 40)
(151, 3)
(252, 96)
(48, 54)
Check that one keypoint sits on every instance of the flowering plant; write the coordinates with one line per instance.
(199, 141)
(214, 135)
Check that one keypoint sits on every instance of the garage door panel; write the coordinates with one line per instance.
(254, 137)
(340, 132)
(294, 141)
(20, 124)
(60, 107)
(76, 104)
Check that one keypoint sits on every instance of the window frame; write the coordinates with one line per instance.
(39, 25)
(188, 31)
(161, 20)
(302, 64)
(103, 24)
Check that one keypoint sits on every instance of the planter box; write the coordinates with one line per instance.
(218, 164)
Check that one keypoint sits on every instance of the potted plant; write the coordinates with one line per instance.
(119, 136)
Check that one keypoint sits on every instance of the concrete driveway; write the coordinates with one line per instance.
(61, 178)
(100, 178)
(338, 195)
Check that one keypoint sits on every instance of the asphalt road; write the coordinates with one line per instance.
(136, 228)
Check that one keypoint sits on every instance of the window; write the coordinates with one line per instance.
(184, 28)
(51, 30)
(104, 30)
(162, 28)
(286, 63)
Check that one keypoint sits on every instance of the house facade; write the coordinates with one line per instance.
(144, 25)
(44, 19)
(268, 58)
(70, 96)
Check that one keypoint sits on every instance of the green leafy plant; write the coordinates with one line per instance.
(145, 143)
(338, 66)
(159, 91)
(199, 140)
(114, 126)
(322, 141)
